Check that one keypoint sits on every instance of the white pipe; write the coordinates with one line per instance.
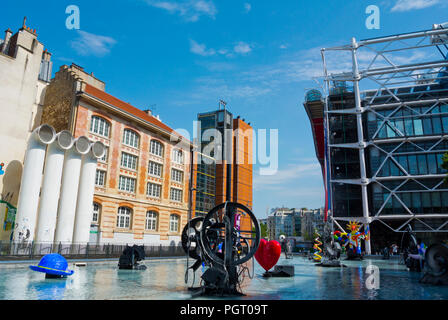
(51, 187)
(31, 182)
(69, 190)
(84, 212)
(362, 145)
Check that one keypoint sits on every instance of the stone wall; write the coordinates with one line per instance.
(59, 100)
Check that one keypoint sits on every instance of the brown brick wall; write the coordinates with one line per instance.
(58, 101)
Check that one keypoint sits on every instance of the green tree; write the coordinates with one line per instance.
(445, 164)
(264, 230)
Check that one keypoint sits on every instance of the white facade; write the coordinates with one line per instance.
(22, 89)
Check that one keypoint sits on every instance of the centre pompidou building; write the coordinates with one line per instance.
(381, 131)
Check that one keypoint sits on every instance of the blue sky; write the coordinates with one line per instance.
(181, 57)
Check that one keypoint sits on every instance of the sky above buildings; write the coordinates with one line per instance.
(180, 58)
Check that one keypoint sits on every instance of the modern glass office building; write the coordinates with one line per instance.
(224, 161)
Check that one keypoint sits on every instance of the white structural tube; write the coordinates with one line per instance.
(69, 190)
(51, 187)
(84, 209)
(31, 182)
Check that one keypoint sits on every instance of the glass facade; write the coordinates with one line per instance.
(409, 121)
(404, 155)
(205, 198)
(205, 187)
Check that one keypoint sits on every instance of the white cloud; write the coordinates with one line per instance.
(242, 48)
(201, 49)
(212, 86)
(235, 80)
(92, 44)
(190, 10)
(408, 5)
(247, 7)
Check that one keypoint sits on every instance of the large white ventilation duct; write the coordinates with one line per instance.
(84, 209)
(31, 182)
(51, 186)
(69, 190)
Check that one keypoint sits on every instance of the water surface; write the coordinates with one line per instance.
(165, 280)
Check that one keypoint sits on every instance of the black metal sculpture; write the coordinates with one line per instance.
(436, 260)
(218, 242)
(331, 249)
(286, 247)
(130, 258)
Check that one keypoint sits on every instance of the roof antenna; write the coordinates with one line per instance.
(223, 104)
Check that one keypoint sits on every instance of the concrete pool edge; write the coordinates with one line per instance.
(26, 263)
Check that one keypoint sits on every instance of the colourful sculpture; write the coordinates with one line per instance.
(354, 239)
(268, 253)
(54, 266)
(317, 249)
(341, 238)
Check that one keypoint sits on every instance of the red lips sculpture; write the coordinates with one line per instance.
(268, 253)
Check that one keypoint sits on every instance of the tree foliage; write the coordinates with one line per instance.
(445, 164)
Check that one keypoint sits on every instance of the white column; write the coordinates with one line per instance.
(51, 187)
(69, 190)
(31, 182)
(362, 158)
(84, 208)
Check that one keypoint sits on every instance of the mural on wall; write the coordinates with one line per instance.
(7, 218)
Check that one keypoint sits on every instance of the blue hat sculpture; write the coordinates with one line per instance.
(53, 264)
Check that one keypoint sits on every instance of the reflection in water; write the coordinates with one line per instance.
(13, 284)
(48, 289)
(164, 279)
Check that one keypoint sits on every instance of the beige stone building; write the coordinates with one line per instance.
(25, 71)
(142, 184)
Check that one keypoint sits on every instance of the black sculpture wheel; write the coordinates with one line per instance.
(219, 226)
(191, 238)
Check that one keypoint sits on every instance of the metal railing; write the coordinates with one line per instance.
(34, 250)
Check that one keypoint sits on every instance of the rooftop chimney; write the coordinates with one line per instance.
(5, 47)
(148, 112)
(46, 56)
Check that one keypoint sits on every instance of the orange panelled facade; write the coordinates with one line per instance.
(243, 167)
(241, 190)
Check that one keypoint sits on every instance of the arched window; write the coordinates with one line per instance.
(178, 156)
(174, 223)
(131, 138)
(151, 221)
(156, 148)
(100, 126)
(124, 218)
(96, 212)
